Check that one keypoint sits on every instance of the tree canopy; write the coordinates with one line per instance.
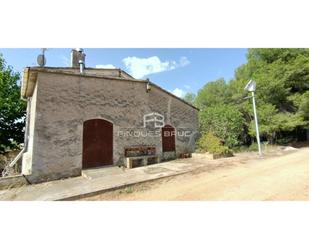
(12, 108)
(213, 93)
(282, 96)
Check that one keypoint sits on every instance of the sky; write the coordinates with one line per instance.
(177, 70)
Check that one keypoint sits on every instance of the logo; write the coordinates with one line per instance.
(154, 119)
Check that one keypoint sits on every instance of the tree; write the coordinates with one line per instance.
(224, 121)
(12, 108)
(213, 93)
(282, 77)
(304, 106)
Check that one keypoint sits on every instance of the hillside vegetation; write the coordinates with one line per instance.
(282, 95)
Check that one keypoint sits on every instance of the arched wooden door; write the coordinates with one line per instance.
(97, 143)
(168, 138)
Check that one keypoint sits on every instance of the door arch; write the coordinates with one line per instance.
(168, 138)
(97, 143)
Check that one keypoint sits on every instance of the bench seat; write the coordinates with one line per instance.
(144, 159)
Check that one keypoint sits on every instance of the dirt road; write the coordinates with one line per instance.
(284, 177)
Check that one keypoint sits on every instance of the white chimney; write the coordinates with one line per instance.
(81, 66)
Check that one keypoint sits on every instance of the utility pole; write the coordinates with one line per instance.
(251, 86)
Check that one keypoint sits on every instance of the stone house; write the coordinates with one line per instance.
(80, 117)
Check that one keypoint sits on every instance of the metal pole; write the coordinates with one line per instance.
(256, 125)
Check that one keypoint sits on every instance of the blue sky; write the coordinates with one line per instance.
(176, 70)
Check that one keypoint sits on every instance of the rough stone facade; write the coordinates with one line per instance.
(62, 100)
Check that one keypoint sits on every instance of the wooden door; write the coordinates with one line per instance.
(97, 143)
(168, 138)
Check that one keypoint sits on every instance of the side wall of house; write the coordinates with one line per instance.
(64, 102)
(56, 151)
(27, 156)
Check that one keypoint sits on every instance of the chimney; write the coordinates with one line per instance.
(77, 55)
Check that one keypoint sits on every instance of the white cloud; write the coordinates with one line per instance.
(184, 61)
(108, 66)
(179, 92)
(140, 67)
(187, 87)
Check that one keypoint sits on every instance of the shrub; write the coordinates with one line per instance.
(224, 121)
(212, 144)
(253, 147)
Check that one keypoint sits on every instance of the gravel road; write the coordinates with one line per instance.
(284, 177)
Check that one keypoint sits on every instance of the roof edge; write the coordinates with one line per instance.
(29, 77)
(176, 97)
(28, 83)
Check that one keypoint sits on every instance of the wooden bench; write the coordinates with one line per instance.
(140, 156)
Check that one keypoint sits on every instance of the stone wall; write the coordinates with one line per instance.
(64, 102)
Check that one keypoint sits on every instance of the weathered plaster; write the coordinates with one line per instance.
(61, 103)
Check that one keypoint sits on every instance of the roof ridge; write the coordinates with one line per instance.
(40, 69)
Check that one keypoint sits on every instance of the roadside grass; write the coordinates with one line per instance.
(265, 146)
(127, 190)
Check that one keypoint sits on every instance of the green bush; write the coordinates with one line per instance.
(224, 121)
(253, 147)
(240, 149)
(285, 140)
(212, 144)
